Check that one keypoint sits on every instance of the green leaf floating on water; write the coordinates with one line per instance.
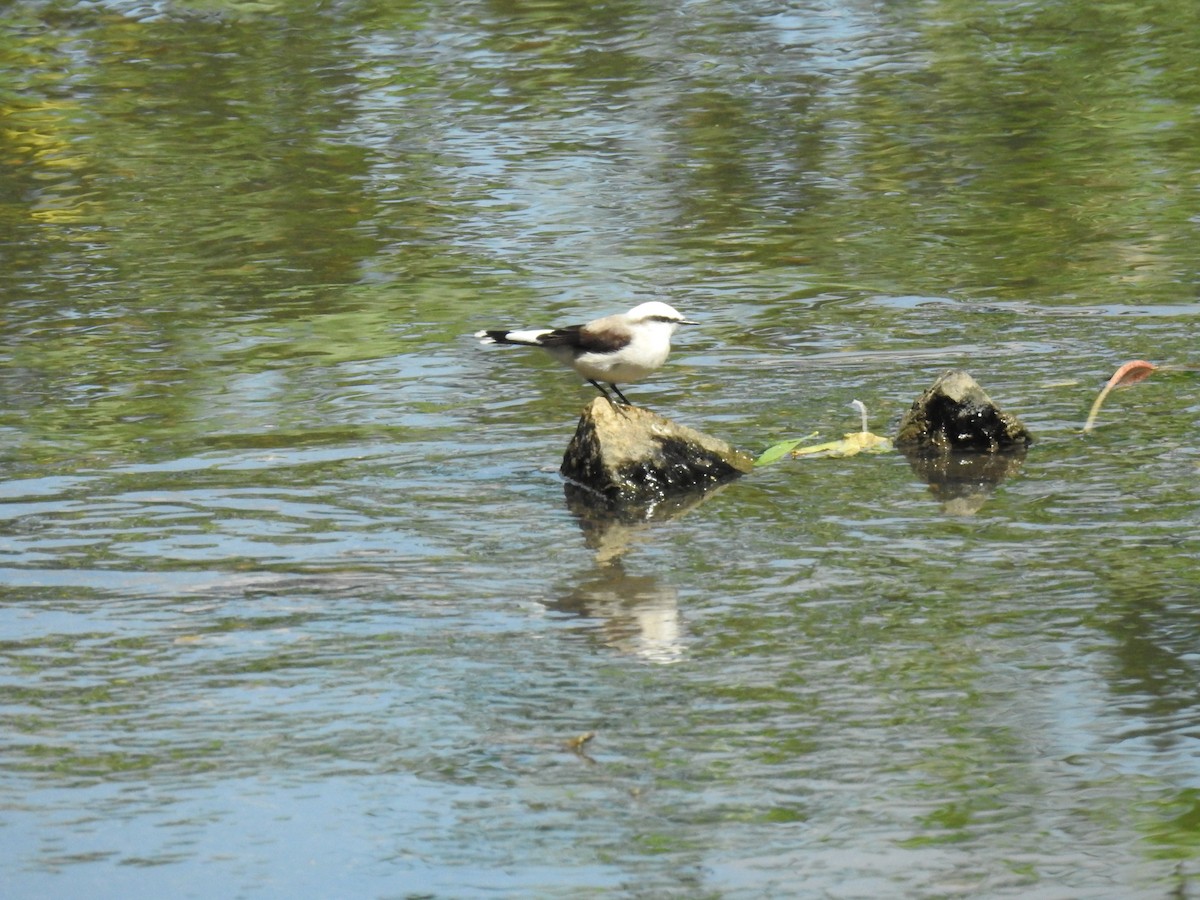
(780, 450)
(851, 444)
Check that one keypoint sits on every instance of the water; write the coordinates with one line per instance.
(292, 602)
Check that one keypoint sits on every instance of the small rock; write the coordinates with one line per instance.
(956, 414)
(632, 455)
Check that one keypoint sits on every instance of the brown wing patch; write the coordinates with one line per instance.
(592, 340)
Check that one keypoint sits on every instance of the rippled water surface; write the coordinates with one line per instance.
(292, 601)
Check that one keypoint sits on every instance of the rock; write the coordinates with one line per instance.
(632, 455)
(956, 414)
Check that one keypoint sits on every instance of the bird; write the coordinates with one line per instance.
(616, 349)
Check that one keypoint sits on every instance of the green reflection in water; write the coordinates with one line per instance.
(221, 222)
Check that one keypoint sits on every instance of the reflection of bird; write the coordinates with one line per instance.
(617, 349)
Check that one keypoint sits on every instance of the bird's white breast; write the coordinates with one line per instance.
(649, 349)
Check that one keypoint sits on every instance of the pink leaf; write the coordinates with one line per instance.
(1131, 373)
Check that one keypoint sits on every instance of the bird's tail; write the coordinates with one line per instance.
(526, 338)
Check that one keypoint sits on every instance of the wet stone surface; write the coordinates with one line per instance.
(628, 454)
(955, 413)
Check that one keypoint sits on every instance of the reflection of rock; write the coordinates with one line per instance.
(640, 615)
(629, 454)
(610, 529)
(964, 481)
(960, 442)
(956, 414)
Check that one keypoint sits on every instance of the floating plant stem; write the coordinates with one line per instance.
(1132, 372)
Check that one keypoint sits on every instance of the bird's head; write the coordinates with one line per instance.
(658, 312)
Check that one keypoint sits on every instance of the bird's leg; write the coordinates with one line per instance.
(596, 385)
(617, 404)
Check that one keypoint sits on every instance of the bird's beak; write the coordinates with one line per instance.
(687, 322)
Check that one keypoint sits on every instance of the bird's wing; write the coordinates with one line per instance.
(595, 337)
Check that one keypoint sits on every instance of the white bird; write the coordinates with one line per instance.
(617, 349)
